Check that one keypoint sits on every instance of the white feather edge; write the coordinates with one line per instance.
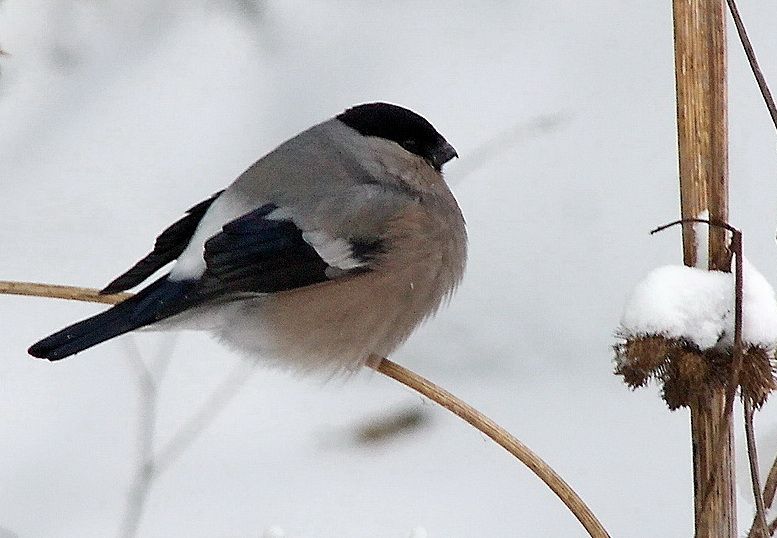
(191, 263)
(336, 252)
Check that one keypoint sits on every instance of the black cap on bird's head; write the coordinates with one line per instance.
(402, 126)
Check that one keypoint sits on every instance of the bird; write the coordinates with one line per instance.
(324, 255)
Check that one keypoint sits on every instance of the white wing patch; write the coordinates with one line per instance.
(336, 252)
(191, 263)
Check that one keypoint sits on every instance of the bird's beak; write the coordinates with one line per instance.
(444, 154)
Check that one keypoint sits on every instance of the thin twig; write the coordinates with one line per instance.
(502, 437)
(771, 481)
(759, 526)
(770, 488)
(738, 355)
(738, 349)
(736, 365)
(440, 396)
(750, 53)
(710, 222)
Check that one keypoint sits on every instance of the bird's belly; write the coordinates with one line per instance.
(335, 326)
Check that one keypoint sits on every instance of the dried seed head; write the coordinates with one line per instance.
(686, 373)
(640, 359)
(757, 377)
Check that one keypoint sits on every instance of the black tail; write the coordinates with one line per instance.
(156, 302)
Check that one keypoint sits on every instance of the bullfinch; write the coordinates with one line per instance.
(327, 251)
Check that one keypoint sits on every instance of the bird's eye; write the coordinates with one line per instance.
(410, 144)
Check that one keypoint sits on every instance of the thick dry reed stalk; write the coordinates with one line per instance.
(702, 133)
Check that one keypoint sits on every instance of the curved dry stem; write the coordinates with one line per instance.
(54, 291)
(408, 378)
(500, 436)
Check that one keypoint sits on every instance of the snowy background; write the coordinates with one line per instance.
(117, 116)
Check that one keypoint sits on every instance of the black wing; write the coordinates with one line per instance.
(258, 254)
(261, 255)
(252, 254)
(168, 246)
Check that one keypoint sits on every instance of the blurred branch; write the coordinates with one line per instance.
(6, 533)
(216, 402)
(390, 425)
(503, 141)
(410, 379)
(252, 10)
(149, 465)
(145, 469)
